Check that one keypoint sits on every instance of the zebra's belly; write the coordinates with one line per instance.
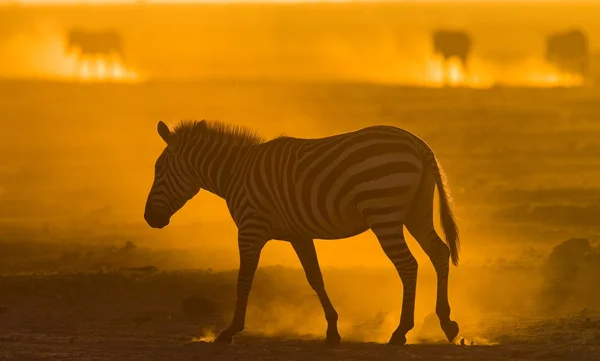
(352, 225)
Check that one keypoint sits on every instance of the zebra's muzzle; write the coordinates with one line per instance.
(156, 219)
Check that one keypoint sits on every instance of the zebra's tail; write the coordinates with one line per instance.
(446, 213)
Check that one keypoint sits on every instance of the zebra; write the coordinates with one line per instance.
(568, 51)
(86, 45)
(296, 190)
(95, 43)
(452, 44)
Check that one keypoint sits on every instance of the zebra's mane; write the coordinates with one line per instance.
(217, 131)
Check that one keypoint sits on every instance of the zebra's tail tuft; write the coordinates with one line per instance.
(446, 212)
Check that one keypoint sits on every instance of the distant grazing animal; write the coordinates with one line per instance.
(568, 51)
(452, 44)
(93, 44)
(296, 190)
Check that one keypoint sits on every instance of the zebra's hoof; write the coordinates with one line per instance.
(397, 339)
(451, 330)
(333, 339)
(224, 338)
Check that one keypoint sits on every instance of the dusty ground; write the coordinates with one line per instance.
(110, 346)
(67, 310)
(143, 316)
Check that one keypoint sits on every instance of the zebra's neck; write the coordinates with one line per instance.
(218, 165)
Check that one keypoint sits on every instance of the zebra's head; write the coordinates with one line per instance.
(174, 183)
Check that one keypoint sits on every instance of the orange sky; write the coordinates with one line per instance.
(240, 1)
(166, 1)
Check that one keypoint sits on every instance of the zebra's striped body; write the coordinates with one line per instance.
(319, 188)
(380, 178)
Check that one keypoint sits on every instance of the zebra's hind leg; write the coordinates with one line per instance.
(419, 223)
(305, 249)
(386, 223)
(439, 254)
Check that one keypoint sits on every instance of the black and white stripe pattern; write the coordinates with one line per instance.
(380, 178)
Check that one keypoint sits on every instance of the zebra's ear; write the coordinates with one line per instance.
(163, 131)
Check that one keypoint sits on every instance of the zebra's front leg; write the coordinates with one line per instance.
(250, 248)
(305, 249)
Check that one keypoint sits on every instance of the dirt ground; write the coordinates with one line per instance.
(147, 315)
(98, 345)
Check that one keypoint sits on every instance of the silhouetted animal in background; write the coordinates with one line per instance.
(568, 51)
(452, 44)
(380, 178)
(93, 44)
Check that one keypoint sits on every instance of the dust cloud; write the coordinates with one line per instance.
(377, 45)
(40, 52)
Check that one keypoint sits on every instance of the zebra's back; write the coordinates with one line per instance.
(325, 188)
